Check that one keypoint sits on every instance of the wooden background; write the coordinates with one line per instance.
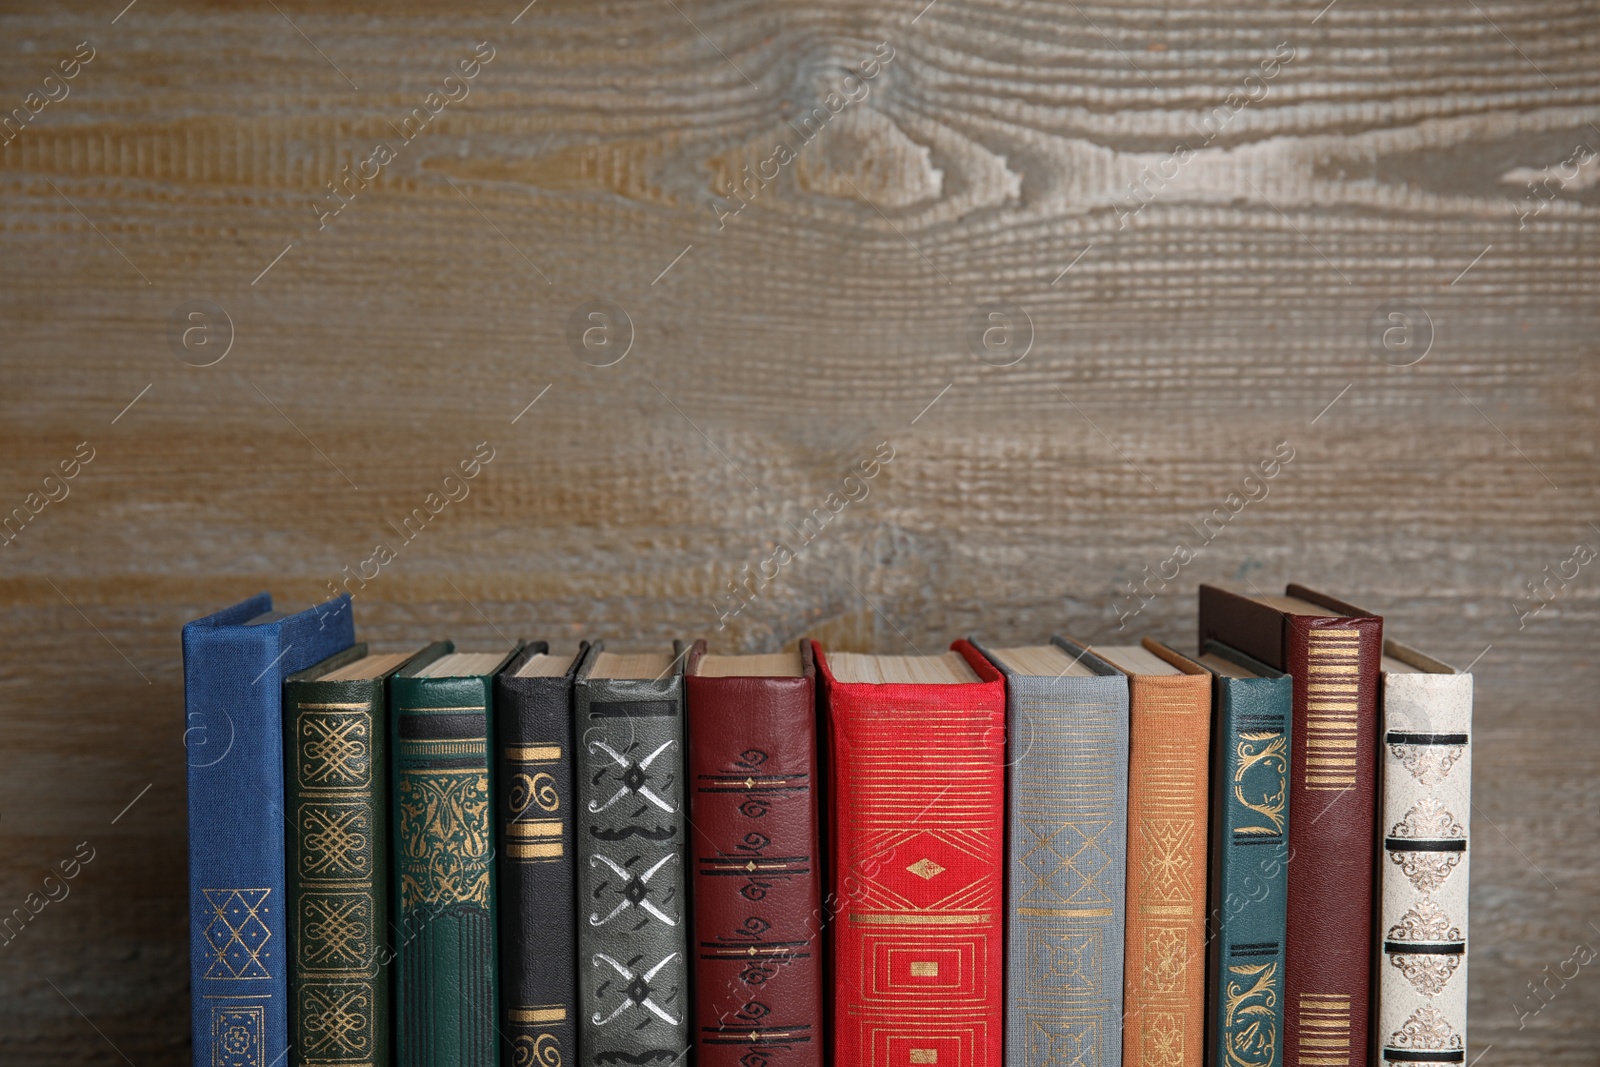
(1173, 346)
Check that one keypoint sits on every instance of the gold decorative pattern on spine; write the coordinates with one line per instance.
(444, 837)
(1249, 1018)
(541, 1051)
(1266, 750)
(237, 936)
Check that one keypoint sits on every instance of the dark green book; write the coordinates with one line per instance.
(442, 711)
(1250, 858)
(336, 767)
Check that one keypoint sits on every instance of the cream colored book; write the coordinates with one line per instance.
(1425, 806)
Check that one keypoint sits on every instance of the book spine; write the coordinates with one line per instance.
(1251, 842)
(1164, 964)
(537, 878)
(1333, 793)
(338, 748)
(233, 734)
(757, 899)
(1068, 821)
(1427, 801)
(445, 981)
(918, 776)
(633, 967)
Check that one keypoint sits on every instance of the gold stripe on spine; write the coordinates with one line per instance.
(917, 918)
(1334, 657)
(534, 828)
(1065, 913)
(542, 850)
(538, 1015)
(1325, 1030)
(407, 711)
(533, 753)
(455, 746)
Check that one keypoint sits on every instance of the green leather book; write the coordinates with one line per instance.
(336, 774)
(446, 978)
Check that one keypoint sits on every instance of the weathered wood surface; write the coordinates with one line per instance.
(1389, 159)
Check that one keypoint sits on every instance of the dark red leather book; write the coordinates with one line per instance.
(916, 769)
(756, 880)
(1332, 651)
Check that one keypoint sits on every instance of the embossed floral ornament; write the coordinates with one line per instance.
(543, 1051)
(1425, 947)
(444, 853)
(1427, 1030)
(1250, 999)
(1428, 764)
(1267, 750)
(1427, 821)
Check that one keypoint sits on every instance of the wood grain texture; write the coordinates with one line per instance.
(1178, 335)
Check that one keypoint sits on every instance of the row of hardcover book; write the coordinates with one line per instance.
(1032, 855)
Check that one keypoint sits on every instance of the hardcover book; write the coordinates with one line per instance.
(1067, 822)
(1169, 755)
(757, 883)
(1331, 651)
(917, 775)
(441, 706)
(234, 663)
(1250, 818)
(537, 881)
(633, 918)
(335, 725)
(1427, 808)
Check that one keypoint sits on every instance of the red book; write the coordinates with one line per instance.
(917, 790)
(756, 880)
(1331, 650)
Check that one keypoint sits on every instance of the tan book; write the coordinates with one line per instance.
(1169, 762)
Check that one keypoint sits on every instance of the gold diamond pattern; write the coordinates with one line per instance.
(926, 868)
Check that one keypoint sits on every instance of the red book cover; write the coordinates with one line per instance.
(917, 790)
(1332, 651)
(756, 878)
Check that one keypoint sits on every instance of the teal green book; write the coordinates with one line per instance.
(1250, 858)
(441, 710)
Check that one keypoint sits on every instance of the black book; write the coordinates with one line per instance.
(537, 879)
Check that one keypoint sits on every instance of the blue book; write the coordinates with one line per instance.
(1250, 857)
(234, 663)
(1067, 824)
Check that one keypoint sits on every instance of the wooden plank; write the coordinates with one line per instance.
(1190, 309)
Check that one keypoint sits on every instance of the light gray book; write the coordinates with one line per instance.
(1067, 828)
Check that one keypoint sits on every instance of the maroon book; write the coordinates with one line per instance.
(1331, 650)
(756, 886)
